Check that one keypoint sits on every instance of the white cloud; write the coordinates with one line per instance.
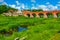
(17, 2)
(18, 7)
(26, 7)
(47, 8)
(33, 1)
(1, 0)
(43, 7)
(23, 6)
(13, 6)
(5, 3)
(58, 4)
(47, 3)
(33, 7)
(51, 7)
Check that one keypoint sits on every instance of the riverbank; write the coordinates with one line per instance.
(38, 28)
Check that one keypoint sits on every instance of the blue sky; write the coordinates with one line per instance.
(33, 4)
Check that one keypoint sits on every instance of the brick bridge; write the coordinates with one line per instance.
(44, 13)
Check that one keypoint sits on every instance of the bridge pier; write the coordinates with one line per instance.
(31, 16)
(55, 16)
(25, 15)
(45, 15)
(37, 16)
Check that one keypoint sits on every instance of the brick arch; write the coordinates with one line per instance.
(49, 14)
(34, 14)
(40, 14)
(54, 13)
(58, 14)
(28, 15)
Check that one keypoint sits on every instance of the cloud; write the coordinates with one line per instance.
(47, 8)
(18, 7)
(48, 3)
(33, 1)
(58, 4)
(26, 7)
(17, 2)
(23, 6)
(5, 3)
(43, 7)
(1, 0)
(51, 7)
(33, 7)
(13, 6)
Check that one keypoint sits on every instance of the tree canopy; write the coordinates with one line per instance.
(34, 10)
(5, 8)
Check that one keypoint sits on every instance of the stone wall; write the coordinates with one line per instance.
(13, 13)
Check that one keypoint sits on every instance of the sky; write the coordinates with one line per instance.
(33, 4)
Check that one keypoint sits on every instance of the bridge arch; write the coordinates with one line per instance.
(58, 14)
(41, 15)
(45, 14)
(49, 15)
(28, 15)
(34, 14)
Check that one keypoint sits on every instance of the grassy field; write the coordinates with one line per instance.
(38, 28)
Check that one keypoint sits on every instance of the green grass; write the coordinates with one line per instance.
(38, 28)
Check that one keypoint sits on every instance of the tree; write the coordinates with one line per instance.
(36, 10)
(5, 8)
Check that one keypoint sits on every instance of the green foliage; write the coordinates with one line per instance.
(38, 28)
(9, 8)
(36, 10)
(34, 15)
(5, 8)
(50, 15)
(58, 14)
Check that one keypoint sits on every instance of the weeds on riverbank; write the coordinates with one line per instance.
(38, 28)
